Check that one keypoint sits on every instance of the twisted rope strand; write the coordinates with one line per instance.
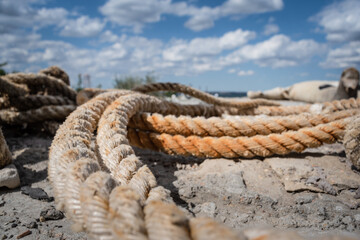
(72, 141)
(232, 127)
(36, 101)
(247, 147)
(56, 72)
(351, 142)
(12, 89)
(340, 105)
(176, 87)
(35, 82)
(5, 155)
(36, 115)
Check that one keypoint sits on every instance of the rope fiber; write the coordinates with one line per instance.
(110, 193)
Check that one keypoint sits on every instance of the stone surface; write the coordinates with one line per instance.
(9, 177)
(36, 193)
(255, 172)
(323, 174)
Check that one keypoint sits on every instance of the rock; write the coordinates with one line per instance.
(36, 193)
(208, 209)
(305, 199)
(357, 193)
(50, 213)
(260, 178)
(9, 177)
(319, 180)
(32, 225)
(324, 174)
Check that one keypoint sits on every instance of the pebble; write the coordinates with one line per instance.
(50, 213)
(36, 193)
(32, 225)
(9, 177)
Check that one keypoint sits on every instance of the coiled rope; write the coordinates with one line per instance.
(108, 192)
(5, 155)
(29, 98)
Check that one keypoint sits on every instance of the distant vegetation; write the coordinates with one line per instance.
(2, 71)
(129, 82)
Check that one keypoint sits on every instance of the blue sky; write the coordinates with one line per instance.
(230, 45)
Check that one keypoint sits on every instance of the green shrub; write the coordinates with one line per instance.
(129, 82)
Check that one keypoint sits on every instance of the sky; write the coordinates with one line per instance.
(230, 45)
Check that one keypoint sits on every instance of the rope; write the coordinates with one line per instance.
(56, 72)
(176, 87)
(108, 192)
(12, 89)
(36, 101)
(247, 147)
(29, 98)
(340, 105)
(36, 115)
(352, 142)
(232, 127)
(4, 102)
(42, 82)
(5, 155)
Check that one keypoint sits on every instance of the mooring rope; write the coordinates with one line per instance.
(37, 115)
(246, 147)
(42, 82)
(231, 127)
(108, 192)
(33, 98)
(352, 142)
(208, 98)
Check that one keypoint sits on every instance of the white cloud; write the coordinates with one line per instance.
(15, 14)
(245, 73)
(136, 13)
(345, 56)
(81, 27)
(206, 47)
(340, 21)
(250, 6)
(50, 16)
(270, 29)
(20, 15)
(278, 51)
(108, 36)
